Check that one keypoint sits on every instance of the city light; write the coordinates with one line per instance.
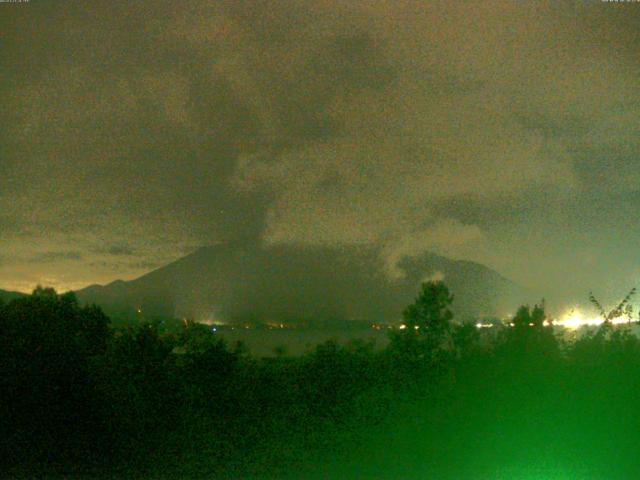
(575, 318)
(572, 319)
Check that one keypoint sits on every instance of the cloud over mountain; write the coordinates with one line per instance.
(168, 126)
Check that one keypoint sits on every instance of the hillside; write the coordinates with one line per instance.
(285, 282)
(7, 296)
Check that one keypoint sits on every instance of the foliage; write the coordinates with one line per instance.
(46, 343)
(430, 311)
(81, 399)
(426, 332)
(623, 308)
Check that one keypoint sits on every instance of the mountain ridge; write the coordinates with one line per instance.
(8, 295)
(289, 282)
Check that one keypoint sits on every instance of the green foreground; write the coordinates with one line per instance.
(82, 399)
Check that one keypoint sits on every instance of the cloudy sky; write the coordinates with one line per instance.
(504, 132)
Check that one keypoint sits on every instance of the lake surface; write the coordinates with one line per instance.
(296, 342)
(264, 342)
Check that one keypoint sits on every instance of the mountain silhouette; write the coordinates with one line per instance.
(292, 283)
(6, 295)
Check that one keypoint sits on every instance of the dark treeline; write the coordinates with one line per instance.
(84, 399)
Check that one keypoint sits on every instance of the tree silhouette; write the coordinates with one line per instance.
(429, 315)
(527, 318)
(47, 342)
(426, 330)
(623, 308)
(531, 333)
(465, 338)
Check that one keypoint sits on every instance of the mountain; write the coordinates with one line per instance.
(289, 283)
(7, 296)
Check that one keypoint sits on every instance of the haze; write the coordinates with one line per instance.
(504, 133)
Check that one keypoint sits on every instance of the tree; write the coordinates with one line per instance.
(623, 308)
(47, 342)
(531, 333)
(527, 318)
(427, 322)
(466, 337)
(429, 315)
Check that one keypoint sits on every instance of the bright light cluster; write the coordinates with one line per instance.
(574, 318)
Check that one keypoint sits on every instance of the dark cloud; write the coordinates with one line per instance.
(143, 265)
(59, 256)
(123, 267)
(116, 250)
(495, 131)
